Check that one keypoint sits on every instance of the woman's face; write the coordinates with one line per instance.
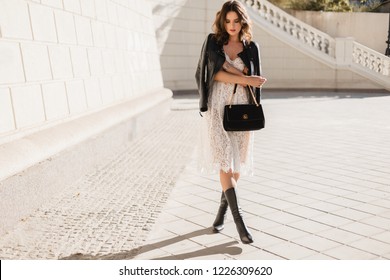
(232, 24)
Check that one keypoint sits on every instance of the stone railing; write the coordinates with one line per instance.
(294, 27)
(370, 59)
(344, 52)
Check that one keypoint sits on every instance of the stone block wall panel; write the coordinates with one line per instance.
(73, 6)
(61, 65)
(55, 101)
(77, 100)
(80, 63)
(15, 19)
(66, 29)
(53, 3)
(6, 113)
(11, 70)
(36, 62)
(93, 94)
(43, 24)
(28, 105)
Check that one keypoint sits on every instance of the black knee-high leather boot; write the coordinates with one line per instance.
(244, 233)
(218, 224)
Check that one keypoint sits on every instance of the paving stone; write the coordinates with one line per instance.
(113, 208)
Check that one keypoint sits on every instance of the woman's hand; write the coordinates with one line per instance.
(255, 81)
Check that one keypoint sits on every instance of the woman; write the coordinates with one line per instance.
(229, 58)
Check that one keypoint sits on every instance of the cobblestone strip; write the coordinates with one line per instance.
(111, 210)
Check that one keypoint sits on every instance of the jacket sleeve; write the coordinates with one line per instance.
(201, 76)
(259, 59)
(258, 69)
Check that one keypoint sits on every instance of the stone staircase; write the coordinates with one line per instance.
(338, 53)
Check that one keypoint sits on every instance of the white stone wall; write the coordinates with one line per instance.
(60, 59)
(369, 29)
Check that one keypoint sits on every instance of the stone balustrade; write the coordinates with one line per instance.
(345, 52)
(294, 27)
(370, 59)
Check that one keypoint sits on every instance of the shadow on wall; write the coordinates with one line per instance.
(162, 28)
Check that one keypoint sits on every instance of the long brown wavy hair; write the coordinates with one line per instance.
(219, 24)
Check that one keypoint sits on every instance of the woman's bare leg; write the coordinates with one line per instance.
(227, 180)
(236, 176)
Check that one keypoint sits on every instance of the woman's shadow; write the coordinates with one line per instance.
(226, 248)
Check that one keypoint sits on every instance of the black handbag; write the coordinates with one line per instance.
(243, 117)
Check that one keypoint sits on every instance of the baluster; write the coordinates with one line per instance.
(325, 45)
(272, 16)
(278, 20)
(358, 56)
(354, 54)
(285, 24)
(363, 58)
(291, 29)
(262, 10)
(369, 61)
(258, 5)
(366, 62)
(265, 8)
(386, 67)
(373, 63)
(379, 63)
(382, 66)
(305, 36)
(320, 43)
(266, 11)
(298, 29)
(313, 40)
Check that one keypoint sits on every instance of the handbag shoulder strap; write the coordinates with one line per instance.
(251, 92)
(234, 92)
(250, 54)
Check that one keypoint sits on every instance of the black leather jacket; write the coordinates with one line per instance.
(212, 58)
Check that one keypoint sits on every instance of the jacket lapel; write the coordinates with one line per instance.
(244, 55)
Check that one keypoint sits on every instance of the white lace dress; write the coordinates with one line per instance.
(219, 149)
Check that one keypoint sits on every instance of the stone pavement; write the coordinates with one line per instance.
(112, 208)
(321, 190)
